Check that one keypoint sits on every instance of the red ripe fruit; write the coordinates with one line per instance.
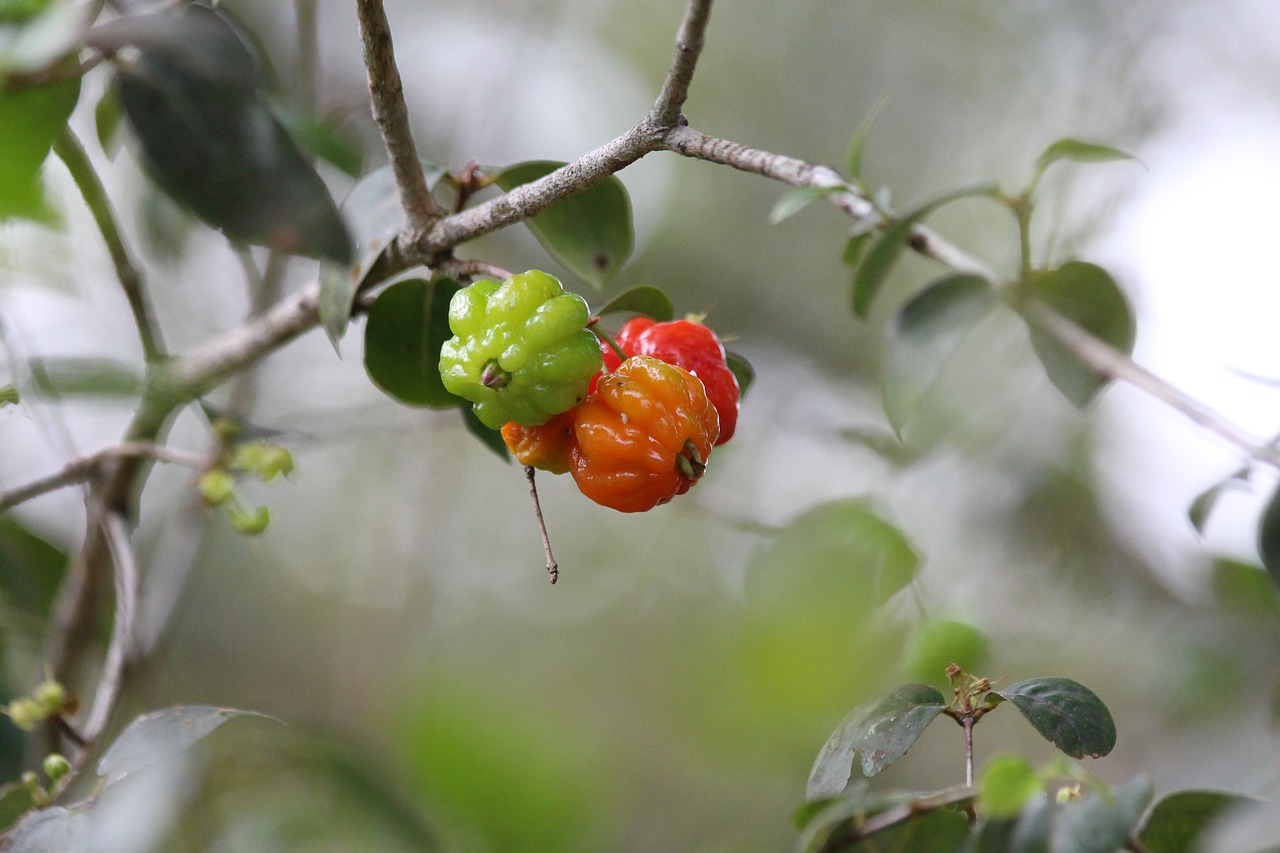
(686, 344)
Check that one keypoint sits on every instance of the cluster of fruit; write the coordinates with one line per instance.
(634, 425)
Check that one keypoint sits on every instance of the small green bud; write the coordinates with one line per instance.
(216, 486)
(25, 713)
(250, 523)
(56, 766)
(1068, 794)
(8, 396)
(51, 696)
(275, 462)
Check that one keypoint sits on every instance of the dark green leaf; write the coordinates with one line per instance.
(881, 730)
(190, 92)
(106, 121)
(1008, 783)
(875, 268)
(742, 371)
(642, 299)
(1269, 537)
(1198, 512)
(31, 117)
(1086, 295)
(854, 248)
(31, 569)
(490, 438)
(797, 199)
(1066, 713)
(156, 736)
(375, 217)
(1245, 589)
(589, 232)
(924, 335)
(1101, 824)
(407, 325)
(1078, 151)
(324, 139)
(15, 798)
(1178, 821)
(853, 160)
(51, 830)
(941, 831)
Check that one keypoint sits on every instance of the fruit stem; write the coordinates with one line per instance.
(608, 339)
(553, 568)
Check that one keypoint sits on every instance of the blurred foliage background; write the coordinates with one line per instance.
(672, 690)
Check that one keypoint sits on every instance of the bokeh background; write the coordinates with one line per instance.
(671, 691)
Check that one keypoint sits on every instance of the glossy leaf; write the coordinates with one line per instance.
(923, 337)
(1086, 295)
(490, 438)
(190, 92)
(156, 736)
(742, 371)
(590, 232)
(1269, 537)
(375, 217)
(1076, 150)
(797, 199)
(407, 325)
(875, 268)
(1068, 714)
(1178, 822)
(880, 730)
(52, 830)
(1008, 783)
(642, 299)
(31, 117)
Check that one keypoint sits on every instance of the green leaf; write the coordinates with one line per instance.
(40, 41)
(642, 299)
(1101, 824)
(31, 117)
(160, 734)
(590, 232)
(875, 268)
(407, 325)
(106, 121)
(9, 396)
(797, 199)
(375, 217)
(1245, 589)
(1078, 151)
(324, 139)
(942, 643)
(15, 798)
(941, 831)
(853, 161)
(490, 438)
(1066, 713)
(881, 730)
(1086, 295)
(1269, 537)
(925, 334)
(854, 248)
(742, 371)
(1198, 512)
(190, 91)
(1178, 821)
(1008, 783)
(31, 569)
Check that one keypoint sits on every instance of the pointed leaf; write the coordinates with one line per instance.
(156, 736)
(642, 299)
(407, 325)
(854, 159)
(1269, 537)
(797, 199)
(881, 730)
(1066, 713)
(373, 214)
(490, 438)
(31, 117)
(15, 799)
(854, 248)
(9, 396)
(742, 371)
(1078, 151)
(190, 92)
(1178, 822)
(589, 232)
(923, 337)
(875, 268)
(1086, 295)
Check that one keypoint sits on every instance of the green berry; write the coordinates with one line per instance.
(26, 713)
(942, 643)
(50, 696)
(249, 522)
(216, 486)
(56, 766)
(520, 350)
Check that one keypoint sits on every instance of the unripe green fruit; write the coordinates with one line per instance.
(26, 713)
(51, 696)
(216, 486)
(56, 766)
(940, 644)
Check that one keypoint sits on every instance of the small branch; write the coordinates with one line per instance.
(967, 724)
(73, 155)
(689, 40)
(553, 568)
(88, 467)
(386, 94)
(472, 269)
